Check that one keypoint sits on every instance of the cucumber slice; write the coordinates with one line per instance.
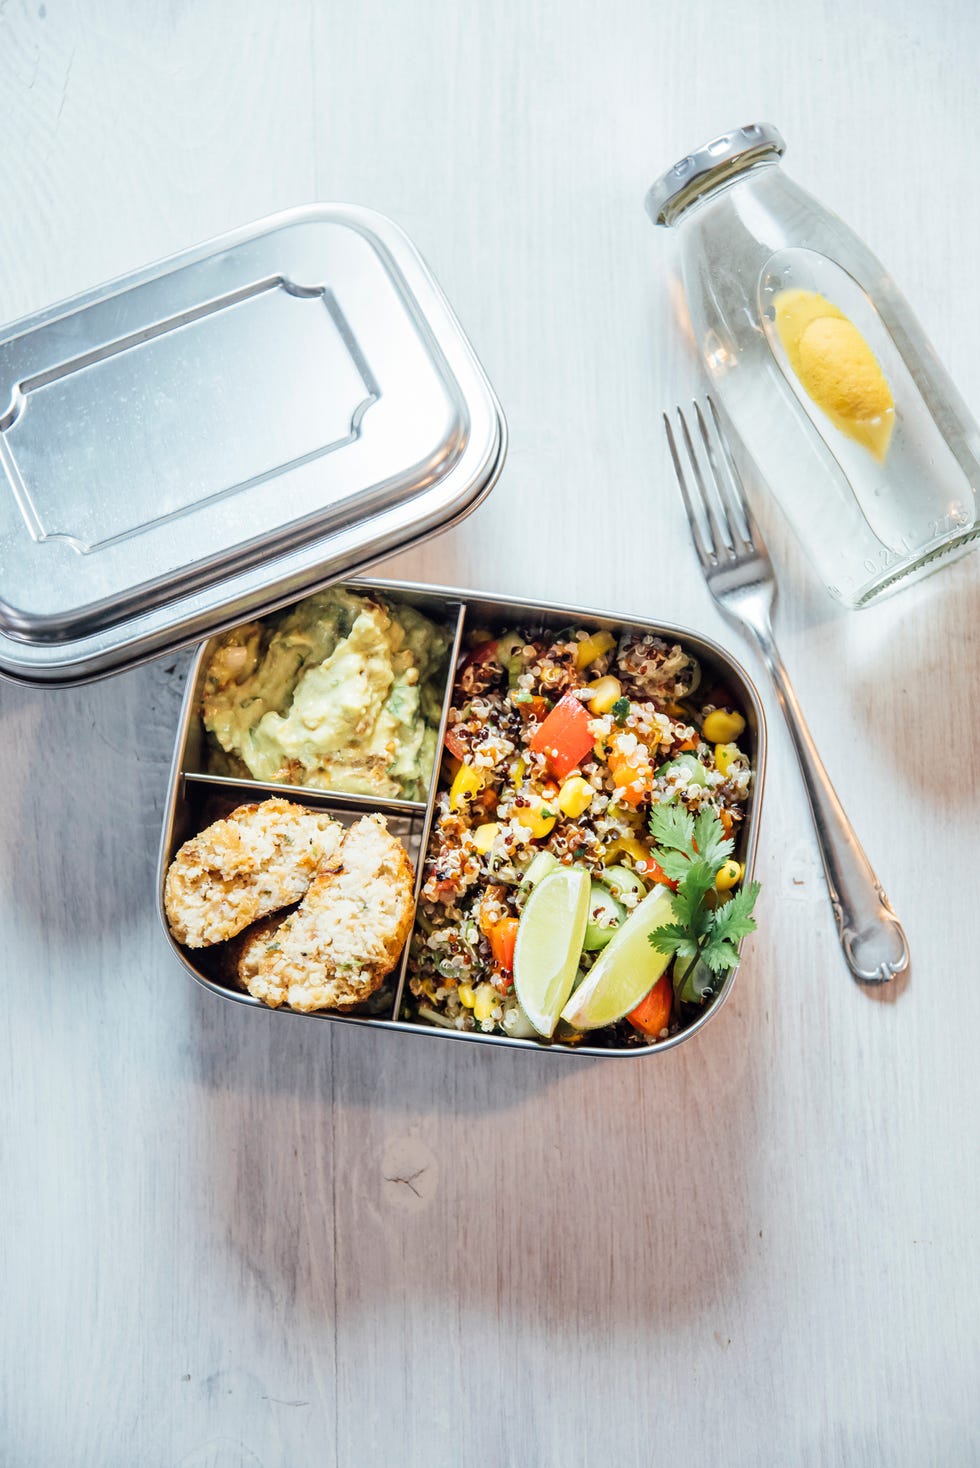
(698, 985)
(508, 644)
(691, 767)
(541, 864)
(623, 883)
(605, 916)
(509, 649)
(516, 1024)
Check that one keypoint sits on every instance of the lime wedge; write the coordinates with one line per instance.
(626, 969)
(549, 945)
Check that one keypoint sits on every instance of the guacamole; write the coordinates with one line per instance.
(341, 692)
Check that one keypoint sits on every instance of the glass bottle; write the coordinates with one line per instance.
(857, 428)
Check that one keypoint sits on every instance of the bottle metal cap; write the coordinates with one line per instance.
(728, 153)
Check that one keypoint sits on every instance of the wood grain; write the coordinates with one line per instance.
(230, 1238)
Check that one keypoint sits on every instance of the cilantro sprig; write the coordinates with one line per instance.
(691, 851)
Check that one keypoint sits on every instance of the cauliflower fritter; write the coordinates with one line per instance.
(254, 862)
(346, 935)
(232, 961)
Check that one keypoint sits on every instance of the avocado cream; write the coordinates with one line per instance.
(341, 692)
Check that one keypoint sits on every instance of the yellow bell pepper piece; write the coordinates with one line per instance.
(466, 995)
(726, 757)
(593, 647)
(466, 786)
(575, 796)
(626, 846)
(539, 817)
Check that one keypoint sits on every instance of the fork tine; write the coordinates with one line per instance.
(734, 485)
(706, 554)
(733, 521)
(715, 528)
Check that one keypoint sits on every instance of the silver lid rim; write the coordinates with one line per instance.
(742, 145)
(270, 572)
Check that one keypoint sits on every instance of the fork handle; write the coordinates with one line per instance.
(871, 936)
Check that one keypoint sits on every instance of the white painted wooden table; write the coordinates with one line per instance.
(759, 1249)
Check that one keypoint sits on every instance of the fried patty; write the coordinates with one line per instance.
(230, 962)
(346, 935)
(257, 860)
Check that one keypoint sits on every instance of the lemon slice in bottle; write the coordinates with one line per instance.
(626, 969)
(549, 945)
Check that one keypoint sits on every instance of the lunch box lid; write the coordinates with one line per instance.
(196, 442)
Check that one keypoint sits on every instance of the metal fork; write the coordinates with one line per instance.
(740, 577)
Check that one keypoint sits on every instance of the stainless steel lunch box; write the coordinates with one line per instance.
(195, 798)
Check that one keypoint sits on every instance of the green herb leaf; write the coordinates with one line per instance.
(691, 850)
(673, 938)
(714, 847)
(689, 907)
(719, 956)
(672, 826)
(620, 710)
(674, 864)
(729, 924)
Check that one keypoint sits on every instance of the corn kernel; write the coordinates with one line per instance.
(575, 796)
(539, 817)
(729, 875)
(605, 692)
(517, 770)
(467, 783)
(726, 757)
(593, 647)
(466, 995)
(722, 726)
(485, 997)
(485, 835)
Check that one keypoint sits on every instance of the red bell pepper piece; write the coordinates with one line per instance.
(564, 738)
(503, 939)
(532, 708)
(651, 869)
(454, 744)
(652, 1014)
(484, 652)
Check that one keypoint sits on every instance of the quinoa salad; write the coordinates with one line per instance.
(558, 750)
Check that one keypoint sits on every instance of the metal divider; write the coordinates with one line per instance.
(192, 789)
(430, 804)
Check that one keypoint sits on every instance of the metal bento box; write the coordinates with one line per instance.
(197, 796)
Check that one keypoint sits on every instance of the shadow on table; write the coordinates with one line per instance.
(439, 1175)
(905, 668)
(915, 689)
(85, 785)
